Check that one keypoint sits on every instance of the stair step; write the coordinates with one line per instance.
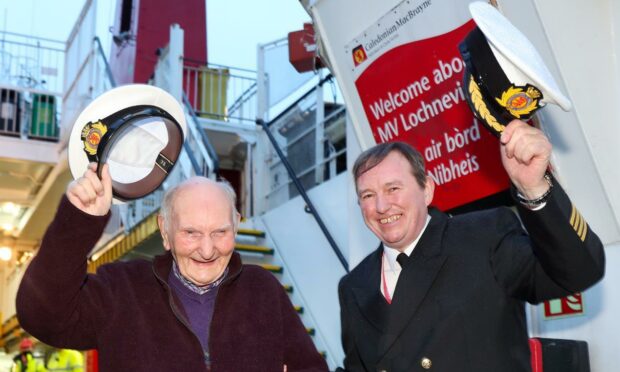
(253, 248)
(273, 268)
(299, 309)
(310, 331)
(288, 288)
(251, 232)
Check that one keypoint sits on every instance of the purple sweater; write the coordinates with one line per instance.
(128, 312)
(198, 308)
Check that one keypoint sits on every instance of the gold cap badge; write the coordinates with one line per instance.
(91, 136)
(520, 101)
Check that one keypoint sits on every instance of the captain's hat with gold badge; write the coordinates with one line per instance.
(505, 77)
(137, 129)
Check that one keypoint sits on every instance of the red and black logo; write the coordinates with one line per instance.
(359, 55)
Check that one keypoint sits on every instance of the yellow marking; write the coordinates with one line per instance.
(585, 231)
(572, 216)
(481, 107)
(582, 226)
(578, 223)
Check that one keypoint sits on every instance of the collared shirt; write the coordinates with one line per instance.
(193, 287)
(391, 268)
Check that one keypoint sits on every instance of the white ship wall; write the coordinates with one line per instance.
(308, 256)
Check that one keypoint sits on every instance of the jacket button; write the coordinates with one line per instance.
(426, 363)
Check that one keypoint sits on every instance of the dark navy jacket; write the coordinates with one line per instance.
(459, 304)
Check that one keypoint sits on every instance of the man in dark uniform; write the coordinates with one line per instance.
(448, 293)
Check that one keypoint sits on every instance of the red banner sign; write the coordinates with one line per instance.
(414, 93)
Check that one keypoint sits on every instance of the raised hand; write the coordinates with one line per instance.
(525, 152)
(90, 194)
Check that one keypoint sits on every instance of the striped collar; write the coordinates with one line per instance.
(193, 287)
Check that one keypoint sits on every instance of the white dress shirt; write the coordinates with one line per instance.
(391, 268)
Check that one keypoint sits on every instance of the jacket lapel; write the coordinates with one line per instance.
(368, 296)
(415, 280)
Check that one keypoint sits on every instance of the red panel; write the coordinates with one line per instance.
(92, 361)
(151, 20)
(302, 49)
(536, 357)
(154, 22)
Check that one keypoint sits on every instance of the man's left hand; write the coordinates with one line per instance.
(525, 152)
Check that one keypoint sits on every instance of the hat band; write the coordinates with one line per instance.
(165, 159)
(99, 137)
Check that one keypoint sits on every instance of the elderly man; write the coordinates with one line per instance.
(447, 293)
(194, 308)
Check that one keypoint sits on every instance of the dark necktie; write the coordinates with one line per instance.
(402, 260)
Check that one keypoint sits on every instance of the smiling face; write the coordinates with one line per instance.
(394, 205)
(200, 230)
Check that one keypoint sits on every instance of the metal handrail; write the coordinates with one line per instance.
(308, 130)
(215, 65)
(302, 191)
(108, 70)
(191, 156)
(307, 170)
(3, 32)
(304, 96)
(203, 136)
(243, 98)
(38, 46)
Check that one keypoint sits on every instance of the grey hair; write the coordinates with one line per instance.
(167, 204)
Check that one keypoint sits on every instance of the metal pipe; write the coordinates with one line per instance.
(304, 195)
(203, 135)
(108, 70)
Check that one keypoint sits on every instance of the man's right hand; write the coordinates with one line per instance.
(90, 194)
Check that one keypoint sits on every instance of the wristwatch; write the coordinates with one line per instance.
(540, 201)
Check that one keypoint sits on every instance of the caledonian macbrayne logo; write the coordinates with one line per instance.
(359, 55)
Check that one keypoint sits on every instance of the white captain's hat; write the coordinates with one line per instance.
(137, 129)
(505, 77)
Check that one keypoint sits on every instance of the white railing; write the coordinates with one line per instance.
(32, 62)
(220, 92)
(31, 76)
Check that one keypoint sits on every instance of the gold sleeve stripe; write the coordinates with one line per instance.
(573, 215)
(584, 231)
(582, 227)
(579, 224)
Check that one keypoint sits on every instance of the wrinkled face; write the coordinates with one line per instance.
(393, 205)
(200, 234)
